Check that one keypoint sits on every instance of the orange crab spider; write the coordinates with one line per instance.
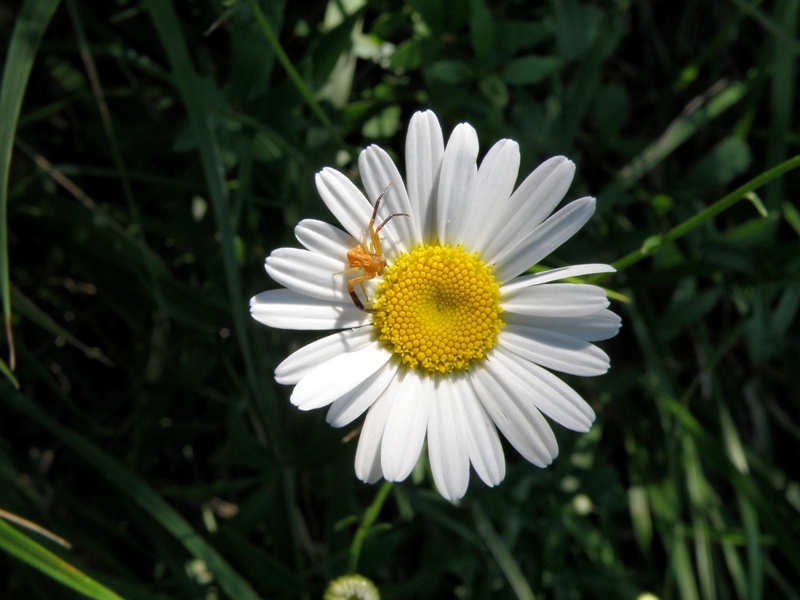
(368, 257)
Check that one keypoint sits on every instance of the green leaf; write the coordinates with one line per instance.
(577, 26)
(495, 91)
(512, 36)
(481, 30)
(383, 125)
(448, 71)
(408, 55)
(531, 69)
(727, 160)
(24, 548)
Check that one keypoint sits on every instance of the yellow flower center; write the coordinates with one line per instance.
(440, 308)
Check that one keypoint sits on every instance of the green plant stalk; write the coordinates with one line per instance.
(31, 23)
(298, 82)
(652, 244)
(363, 530)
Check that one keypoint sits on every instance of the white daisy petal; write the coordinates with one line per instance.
(424, 153)
(377, 171)
(352, 405)
(547, 392)
(556, 300)
(285, 309)
(345, 201)
(503, 395)
(485, 449)
(448, 445)
(496, 178)
(309, 273)
(544, 239)
(338, 376)
(554, 275)
(457, 185)
(595, 327)
(368, 454)
(528, 206)
(309, 357)
(405, 430)
(554, 350)
(324, 238)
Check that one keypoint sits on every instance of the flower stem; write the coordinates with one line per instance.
(298, 82)
(654, 243)
(366, 524)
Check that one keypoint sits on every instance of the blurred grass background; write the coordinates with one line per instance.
(162, 150)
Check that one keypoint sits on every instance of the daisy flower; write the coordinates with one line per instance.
(454, 341)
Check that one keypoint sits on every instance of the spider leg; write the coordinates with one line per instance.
(376, 240)
(389, 218)
(377, 203)
(356, 300)
(350, 270)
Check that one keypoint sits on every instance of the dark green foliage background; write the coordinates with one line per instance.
(130, 290)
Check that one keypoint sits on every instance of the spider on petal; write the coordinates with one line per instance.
(368, 256)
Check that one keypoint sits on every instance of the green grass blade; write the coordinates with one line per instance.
(137, 490)
(696, 115)
(736, 452)
(24, 548)
(188, 83)
(7, 372)
(32, 21)
(502, 555)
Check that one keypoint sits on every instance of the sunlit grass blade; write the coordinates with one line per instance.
(699, 501)
(31, 23)
(24, 548)
(31, 526)
(142, 494)
(752, 530)
(745, 485)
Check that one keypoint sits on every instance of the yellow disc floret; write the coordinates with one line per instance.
(439, 308)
